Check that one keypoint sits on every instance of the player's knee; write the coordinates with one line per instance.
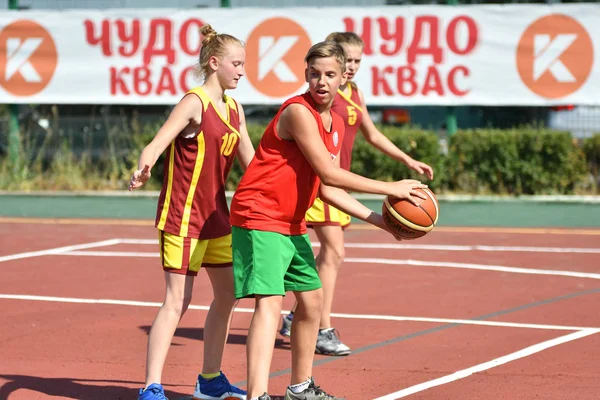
(333, 257)
(225, 298)
(340, 253)
(177, 303)
(268, 304)
(312, 302)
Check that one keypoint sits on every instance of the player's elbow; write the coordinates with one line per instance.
(372, 138)
(329, 177)
(325, 193)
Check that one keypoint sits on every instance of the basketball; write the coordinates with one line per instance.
(409, 221)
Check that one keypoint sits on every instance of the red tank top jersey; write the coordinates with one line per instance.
(192, 201)
(350, 109)
(280, 185)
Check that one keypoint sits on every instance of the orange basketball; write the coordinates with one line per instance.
(407, 220)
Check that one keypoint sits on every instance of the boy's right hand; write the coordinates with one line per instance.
(139, 177)
(377, 220)
(406, 189)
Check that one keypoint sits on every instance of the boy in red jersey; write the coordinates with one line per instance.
(271, 250)
(204, 132)
(329, 222)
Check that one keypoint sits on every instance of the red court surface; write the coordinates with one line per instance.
(459, 314)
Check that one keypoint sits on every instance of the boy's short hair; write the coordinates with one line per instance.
(325, 50)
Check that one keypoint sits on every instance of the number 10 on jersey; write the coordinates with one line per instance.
(229, 141)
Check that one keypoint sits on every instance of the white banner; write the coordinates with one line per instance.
(414, 55)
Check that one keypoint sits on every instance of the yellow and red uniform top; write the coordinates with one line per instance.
(192, 201)
(349, 107)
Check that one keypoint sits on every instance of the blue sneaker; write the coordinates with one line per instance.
(286, 325)
(152, 392)
(217, 388)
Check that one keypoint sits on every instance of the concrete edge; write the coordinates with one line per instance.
(359, 196)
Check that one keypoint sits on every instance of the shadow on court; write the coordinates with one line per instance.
(69, 388)
(191, 398)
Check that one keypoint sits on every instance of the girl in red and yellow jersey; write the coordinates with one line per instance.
(203, 134)
(298, 158)
(329, 222)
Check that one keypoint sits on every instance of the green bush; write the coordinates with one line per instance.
(140, 137)
(59, 158)
(591, 149)
(420, 144)
(515, 161)
(370, 162)
(550, 163)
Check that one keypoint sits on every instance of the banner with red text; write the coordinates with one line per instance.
(413, 55)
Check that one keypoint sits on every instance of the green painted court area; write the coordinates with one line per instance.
(500, 213)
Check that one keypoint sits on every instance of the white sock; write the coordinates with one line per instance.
(300, 387)
(254, 398)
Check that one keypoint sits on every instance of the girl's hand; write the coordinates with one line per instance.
(139, 177)
(421, 168)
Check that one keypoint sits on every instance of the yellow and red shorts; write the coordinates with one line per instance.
(185, 256)
(322, 214)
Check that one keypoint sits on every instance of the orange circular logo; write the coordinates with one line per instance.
(28, 58)
(275, 53)
(555, 56)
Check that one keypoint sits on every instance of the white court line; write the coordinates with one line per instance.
(59, 250)
(498, 268)
(440, 264)
(433, 247)
(536, 348)
(437, 247)
(285, 312)
(111, 254)
(138, 241)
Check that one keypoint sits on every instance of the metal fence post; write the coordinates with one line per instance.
(451, 124)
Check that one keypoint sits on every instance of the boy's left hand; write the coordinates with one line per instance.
(377, 220)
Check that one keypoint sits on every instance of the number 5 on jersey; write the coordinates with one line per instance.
(229, 141)
(352, 115)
